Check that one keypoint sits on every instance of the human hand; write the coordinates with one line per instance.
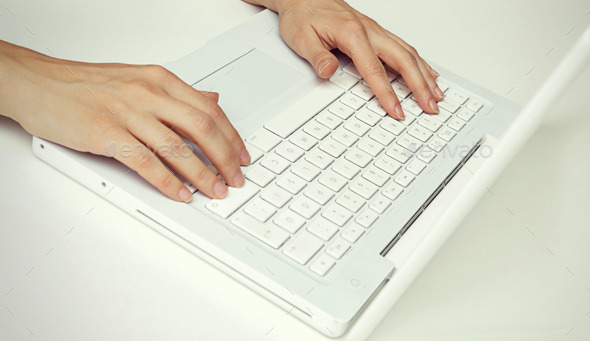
(312, 29)
(135, 114)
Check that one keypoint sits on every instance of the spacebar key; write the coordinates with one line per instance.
(285, 123)
(236, 197)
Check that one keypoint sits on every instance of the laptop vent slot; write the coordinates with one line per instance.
(430, 199)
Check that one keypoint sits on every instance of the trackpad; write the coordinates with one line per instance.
(249, 82)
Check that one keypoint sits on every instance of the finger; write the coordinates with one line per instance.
(428, 72)
(307, 44)
(200, 128)
(212, 95)
(165, 143)
(134, 154)
(187, 94)
(398, 57)
(356, 45)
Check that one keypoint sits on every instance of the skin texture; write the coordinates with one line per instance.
(138, 113)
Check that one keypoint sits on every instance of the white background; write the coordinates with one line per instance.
(72, 266)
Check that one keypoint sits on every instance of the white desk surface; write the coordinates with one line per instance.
(73, 267)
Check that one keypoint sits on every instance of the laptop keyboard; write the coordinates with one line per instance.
(321, 178)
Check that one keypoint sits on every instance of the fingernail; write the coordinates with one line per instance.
(399, 112)
(439, 92)
(185, 195)
(239, 180)
(323, 66)
(433, 105)
(245, 157)
(220, 189)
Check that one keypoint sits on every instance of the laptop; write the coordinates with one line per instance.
(343, 206)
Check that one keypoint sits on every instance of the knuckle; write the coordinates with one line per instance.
(353, 26)
(166, 180)
(214, 110)
(144, 160)
(412, 50)
(407, 59)
(157, 71)
(376, 68)
(228, 159)
(204, 124)
(172, 145)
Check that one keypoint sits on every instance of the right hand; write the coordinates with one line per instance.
(124, 111)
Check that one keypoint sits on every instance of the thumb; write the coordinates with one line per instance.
(307, 44)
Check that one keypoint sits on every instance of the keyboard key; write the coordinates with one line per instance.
(447, 134)
(343, 80)
(276, 196)
(412, 107)
(420, 133)
(380, 204)
(387, 164)
(260, 209)
(319, 193)
(357, 127)
(358, 157)
(474, 105)
(369, 117)
(449, 105)
(363, 92)
(400, 89)
(275, 163)
(352, 101)
(305, 207)
(436, 144)
(303, 247)
(465, 114)
(316, 129)
(416, 166)
(319, 158)
(364, 188)
(289, 220)
(255, 153)
(329, 120)
(457, 96)
(341, 110)
(267, 233)
(351, 70)
(346, 168)
(306, 171)
(376, 107)
(259, 175)
(393, 126)
(426, 155)
(303, 140)
(345, 137)
(430, 123)
(393, 191)
(382, 136)
(322, 265)
(236, 197)
(404, 178)
(289, 151)
(264, 140)
(442, 115)
(367, 218)
(376, 176)
(332, 180)
(399, 153)
(332, 147)
(337, 214)
(323, 228)
(338, 248)
(292, 183)
(370, 146)
(351, 201)
(353, 232)
(409, 143)
(457, 124)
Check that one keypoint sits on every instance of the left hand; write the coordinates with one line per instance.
(312, 29)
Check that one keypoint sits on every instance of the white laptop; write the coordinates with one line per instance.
(343, 205)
